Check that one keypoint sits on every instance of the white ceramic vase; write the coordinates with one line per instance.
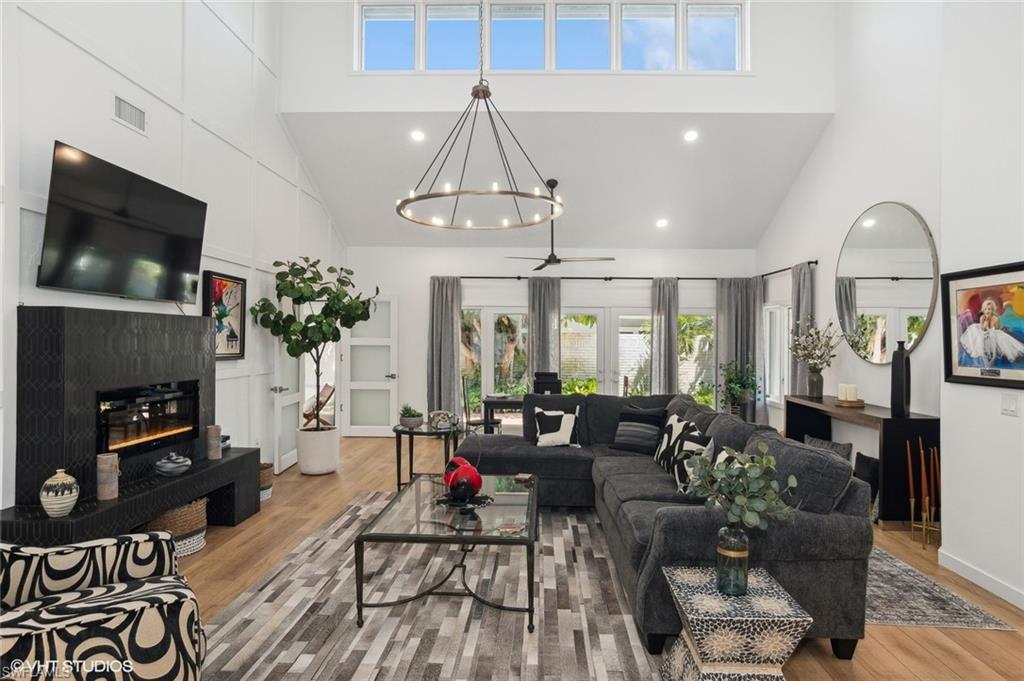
(318, 451)
(59, 494)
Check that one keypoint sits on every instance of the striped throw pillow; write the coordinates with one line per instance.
(638, 430)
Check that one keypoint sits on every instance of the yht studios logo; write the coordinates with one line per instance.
(58, 669)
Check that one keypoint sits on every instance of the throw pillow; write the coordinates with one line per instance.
(670, 440)
(638, 430)
(866, 468)
(683, 465)
(556, 428)
(840, 449)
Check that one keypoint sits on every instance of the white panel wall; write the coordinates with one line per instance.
(882, 144)
(206, 76)
(405, 274)
(982, 224)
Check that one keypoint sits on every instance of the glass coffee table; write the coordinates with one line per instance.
(414, 517)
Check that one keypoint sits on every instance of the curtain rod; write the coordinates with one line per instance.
(520, 277)
(893, 278)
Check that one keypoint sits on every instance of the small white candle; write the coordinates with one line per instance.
(851, 392)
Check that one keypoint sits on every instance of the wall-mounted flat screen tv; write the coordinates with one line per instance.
(112, 232)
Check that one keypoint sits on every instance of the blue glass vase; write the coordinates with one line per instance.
(733, 556)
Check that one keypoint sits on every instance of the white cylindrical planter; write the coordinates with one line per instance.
(318, 451)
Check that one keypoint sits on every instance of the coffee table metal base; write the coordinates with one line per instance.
(435, 590)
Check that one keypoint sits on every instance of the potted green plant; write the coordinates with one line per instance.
(815, 347)
(409, 417)
(310, 312)
(738, 385)
(742, 486)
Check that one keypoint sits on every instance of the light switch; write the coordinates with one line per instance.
(1010, 406)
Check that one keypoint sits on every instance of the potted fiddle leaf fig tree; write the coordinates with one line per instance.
(311, 310)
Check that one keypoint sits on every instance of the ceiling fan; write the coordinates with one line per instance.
(551, 258)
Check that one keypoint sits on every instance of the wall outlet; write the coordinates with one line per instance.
(1010, 405)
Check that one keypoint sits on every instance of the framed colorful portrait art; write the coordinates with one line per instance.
(224, 300)
(983, 324)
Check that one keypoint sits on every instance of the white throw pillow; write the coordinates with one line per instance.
(556, 428)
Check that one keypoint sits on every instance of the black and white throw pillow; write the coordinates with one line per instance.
(671, 439)
(682, 465)
(638, 430)
(556, 428)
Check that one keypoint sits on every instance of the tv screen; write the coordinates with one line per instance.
(113, 232)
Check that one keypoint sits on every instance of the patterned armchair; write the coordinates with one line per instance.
(113, 604)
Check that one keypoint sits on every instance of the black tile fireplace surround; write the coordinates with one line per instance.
(68, 357)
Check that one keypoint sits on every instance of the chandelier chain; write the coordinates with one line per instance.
(480, 23)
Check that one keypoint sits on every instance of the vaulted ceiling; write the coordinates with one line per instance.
(619, 173)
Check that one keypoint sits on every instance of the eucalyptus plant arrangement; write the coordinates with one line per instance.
(815, 346)
(742, 485)
(311, 310)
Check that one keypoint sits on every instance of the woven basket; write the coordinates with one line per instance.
(266, 481)
(187, 525)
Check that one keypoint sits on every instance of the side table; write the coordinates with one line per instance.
(731, 637)
(447, 435)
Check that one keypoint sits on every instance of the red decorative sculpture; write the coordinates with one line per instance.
(462, 479)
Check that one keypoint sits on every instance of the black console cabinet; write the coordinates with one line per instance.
(231, 484)
(811, 416)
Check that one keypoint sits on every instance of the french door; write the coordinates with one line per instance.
(605, 350)
(287, 415)
(371, 373)
(628, 359)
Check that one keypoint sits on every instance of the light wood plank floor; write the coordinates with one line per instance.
(236, 557)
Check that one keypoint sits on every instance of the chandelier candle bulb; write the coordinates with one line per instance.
(494, 186)
(447, 186)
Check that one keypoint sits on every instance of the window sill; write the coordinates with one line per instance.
(775, 404)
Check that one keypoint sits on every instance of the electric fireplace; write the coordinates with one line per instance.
(144, 418)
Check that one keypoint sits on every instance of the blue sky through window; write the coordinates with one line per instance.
(712, 38)
(582, 38)
(517, 37)
(389, 38)
(649, 37)
(453, 37)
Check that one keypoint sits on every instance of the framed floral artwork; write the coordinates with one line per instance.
(983, 325)
(224, 300)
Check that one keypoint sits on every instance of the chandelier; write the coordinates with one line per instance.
(509, 206)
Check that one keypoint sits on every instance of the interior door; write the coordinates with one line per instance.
(372, 373)
(287, 418)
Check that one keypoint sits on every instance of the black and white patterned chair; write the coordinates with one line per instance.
(118, 600)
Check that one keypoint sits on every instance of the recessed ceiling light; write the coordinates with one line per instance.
(417, 136)
(661, 223)
(870, 222)
(691, 135)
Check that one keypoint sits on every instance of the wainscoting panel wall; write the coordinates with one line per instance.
(206, 75)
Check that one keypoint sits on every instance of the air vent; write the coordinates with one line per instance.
(129, 114)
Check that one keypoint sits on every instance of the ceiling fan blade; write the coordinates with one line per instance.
(542, 266)
(608, 259)
(521, 257)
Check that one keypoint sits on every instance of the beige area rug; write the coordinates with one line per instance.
(299, 621)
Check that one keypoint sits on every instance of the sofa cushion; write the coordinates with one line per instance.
(635, 521)
(841, 449)
(566, 403)
(607, 466)
(692, 410)
(511, 454)
(732, 431)
(679, 404)
(705, 419)
(602, 413)
(822, 478)
(638, 430)
(660, 486)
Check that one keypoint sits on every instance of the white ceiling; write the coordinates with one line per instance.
(618, 174)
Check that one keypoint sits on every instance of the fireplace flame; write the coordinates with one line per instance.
(149, 438)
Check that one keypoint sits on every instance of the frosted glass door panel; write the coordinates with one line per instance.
(290, 420)
(370, 363)
(288, 370)
(371, 407)
(378, 325)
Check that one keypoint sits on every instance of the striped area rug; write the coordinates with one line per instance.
(298, 622)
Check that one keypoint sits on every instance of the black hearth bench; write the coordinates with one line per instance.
(231, 484)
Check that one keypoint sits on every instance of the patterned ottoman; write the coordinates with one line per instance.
(731, 637)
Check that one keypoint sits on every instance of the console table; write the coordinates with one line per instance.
(814, 416)
(231, 483)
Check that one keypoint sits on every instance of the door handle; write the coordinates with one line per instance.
(279, 389)
(391, 376)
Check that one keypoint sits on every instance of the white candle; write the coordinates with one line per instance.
(841, 391)
(851, 391)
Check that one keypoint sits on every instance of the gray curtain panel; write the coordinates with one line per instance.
(444, 381)
(846, 303)
(544, 316)
(664, 358)
(802, 302)
(740, 303)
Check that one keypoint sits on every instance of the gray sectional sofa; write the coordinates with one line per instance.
(820, 555)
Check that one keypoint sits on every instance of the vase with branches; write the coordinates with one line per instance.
(312, 307)
(815, 347)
